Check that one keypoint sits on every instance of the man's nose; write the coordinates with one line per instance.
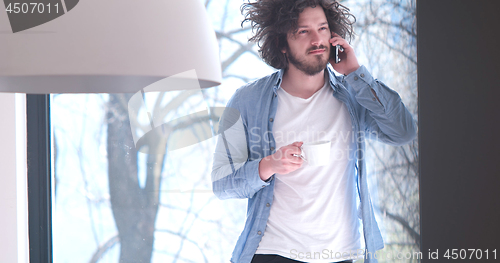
(316, 39)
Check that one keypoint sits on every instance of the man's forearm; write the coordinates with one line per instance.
(385, 113)
(265, 169)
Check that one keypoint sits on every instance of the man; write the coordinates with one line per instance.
(298, 212)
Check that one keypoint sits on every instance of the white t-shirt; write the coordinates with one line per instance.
(314, 214)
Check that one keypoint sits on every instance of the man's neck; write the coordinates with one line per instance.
(299, 84)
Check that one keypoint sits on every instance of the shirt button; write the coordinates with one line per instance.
(271, 119)
(268, 205)
(374, 99)
(355, 77)
(362, 75)
(263, 186)
(272, 148)
(259, 233)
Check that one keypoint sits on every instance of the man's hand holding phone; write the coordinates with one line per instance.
(347, 61)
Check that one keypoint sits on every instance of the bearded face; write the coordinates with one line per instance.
(308, 47)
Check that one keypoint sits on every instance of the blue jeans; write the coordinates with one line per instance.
(265, 258)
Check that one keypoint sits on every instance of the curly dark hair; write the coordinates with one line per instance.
(272, 20)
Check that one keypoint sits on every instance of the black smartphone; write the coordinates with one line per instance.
(335, 53)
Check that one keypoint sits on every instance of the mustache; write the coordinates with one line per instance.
(317, 47)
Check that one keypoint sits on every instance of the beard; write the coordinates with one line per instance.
(311, 68)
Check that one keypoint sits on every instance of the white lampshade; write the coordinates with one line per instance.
(110, 46)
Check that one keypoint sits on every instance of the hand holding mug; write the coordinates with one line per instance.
(285, 160)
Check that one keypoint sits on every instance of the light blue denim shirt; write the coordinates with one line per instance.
(246, 138)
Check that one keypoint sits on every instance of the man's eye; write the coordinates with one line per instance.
(323, 28)
(302, 31)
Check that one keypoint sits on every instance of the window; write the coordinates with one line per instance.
(109, 201)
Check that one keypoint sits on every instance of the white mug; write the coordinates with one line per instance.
(316, 153)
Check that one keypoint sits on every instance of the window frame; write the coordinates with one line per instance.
(38, 136)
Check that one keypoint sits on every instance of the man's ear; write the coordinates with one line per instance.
(283, 49)
(282, 41)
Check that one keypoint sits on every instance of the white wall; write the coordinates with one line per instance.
(13, 192)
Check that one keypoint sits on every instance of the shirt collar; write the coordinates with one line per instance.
(334, 80)
(277, 84)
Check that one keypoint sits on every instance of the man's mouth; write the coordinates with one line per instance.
(318, 50)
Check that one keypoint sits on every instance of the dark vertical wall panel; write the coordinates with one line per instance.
(459, 101)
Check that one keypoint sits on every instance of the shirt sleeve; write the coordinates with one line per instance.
(233, 174)
(383, 113)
